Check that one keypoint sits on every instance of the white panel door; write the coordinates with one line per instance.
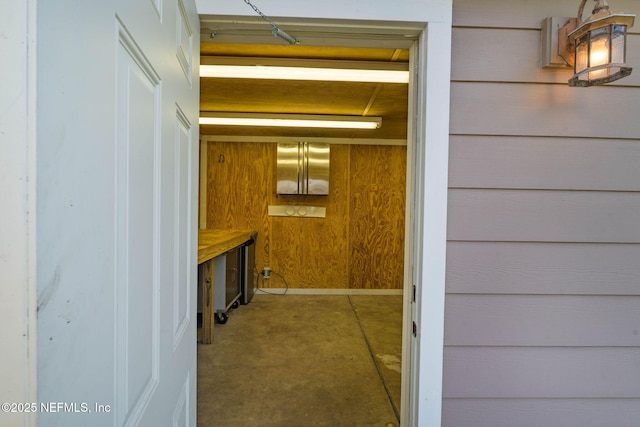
(155, 215)
(118, 107)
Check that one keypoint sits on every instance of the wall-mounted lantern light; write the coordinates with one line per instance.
(595, 47)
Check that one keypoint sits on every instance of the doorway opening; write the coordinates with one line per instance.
(253, 154)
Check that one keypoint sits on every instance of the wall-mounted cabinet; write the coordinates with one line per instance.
(303, 168)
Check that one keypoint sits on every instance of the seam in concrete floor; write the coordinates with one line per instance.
(375, 361)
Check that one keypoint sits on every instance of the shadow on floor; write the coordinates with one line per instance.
(297, 360)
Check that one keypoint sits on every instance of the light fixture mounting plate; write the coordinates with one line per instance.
(550, 46)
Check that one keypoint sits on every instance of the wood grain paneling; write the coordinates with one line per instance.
(360, 242)
(268, 90)
(544, 163)
(239, 176)
(543, 110)
(314, 252)
(540, 412)
(307, 96)
(377, 217)
(310, 252)
(542, 320)
(216, 48)
(543, 268)
(544, 216)
(534, 372)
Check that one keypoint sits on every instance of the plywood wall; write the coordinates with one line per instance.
(358, 245)
(543, 294)
(376, 216)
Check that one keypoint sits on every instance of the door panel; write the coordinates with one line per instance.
(137, 234)
(118, 94)
(182, 278)
(155, 368)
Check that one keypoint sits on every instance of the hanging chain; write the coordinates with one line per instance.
(276, 31)
(265, 17)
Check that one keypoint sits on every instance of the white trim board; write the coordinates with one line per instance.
(18, 292)
(327, 291)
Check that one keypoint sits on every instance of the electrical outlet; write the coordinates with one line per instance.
(266, 272)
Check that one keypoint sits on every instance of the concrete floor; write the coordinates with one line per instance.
(304, 360)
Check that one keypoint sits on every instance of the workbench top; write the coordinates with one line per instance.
(214, 242)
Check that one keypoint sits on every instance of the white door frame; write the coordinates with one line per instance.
(17, 225)
(426, 239)
(426, 214)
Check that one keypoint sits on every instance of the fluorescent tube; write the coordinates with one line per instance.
(304, 73)
(292, 120)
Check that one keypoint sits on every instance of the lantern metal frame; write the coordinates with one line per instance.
(578, 33)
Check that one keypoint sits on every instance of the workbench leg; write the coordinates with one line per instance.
(206, 277)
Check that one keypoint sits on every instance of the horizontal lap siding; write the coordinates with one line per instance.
(544, 163)
(542, 372)
(542, 312)
(544, 216)
(524, 14)
(543, 268)
(543, 320)
(543, 110)
(512, 55)
(541, 412)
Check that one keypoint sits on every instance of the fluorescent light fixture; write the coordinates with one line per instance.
(304, 73)
(291, 120)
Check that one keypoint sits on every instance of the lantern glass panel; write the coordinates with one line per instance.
(582, 54)
(617, 44)
(599, 51)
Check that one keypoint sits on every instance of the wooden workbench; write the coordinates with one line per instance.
(211, 243)
(214, 242)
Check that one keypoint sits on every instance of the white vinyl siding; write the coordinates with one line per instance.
(542, 311)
